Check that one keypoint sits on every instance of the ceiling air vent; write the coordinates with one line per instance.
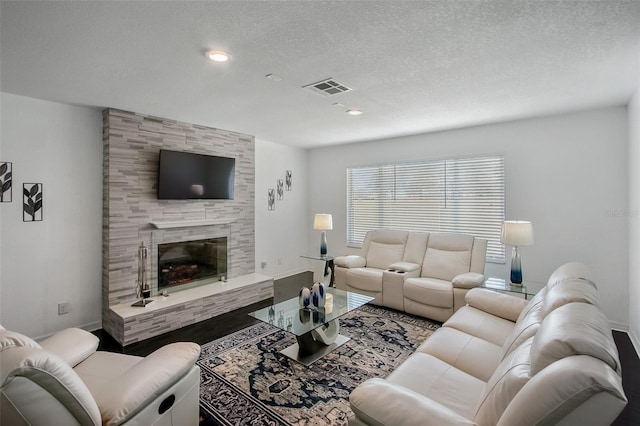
(327, 87)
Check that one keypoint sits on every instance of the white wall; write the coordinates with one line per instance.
(566, 173)
(634, 219)
(58, 259)
(281, 234)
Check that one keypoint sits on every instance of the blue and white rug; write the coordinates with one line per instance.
(246, 381)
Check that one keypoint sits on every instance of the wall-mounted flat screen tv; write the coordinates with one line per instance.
(187, 176)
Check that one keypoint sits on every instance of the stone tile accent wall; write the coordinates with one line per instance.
(161, 316)
(132, 143)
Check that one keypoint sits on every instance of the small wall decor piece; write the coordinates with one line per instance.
(272, 199)
(5, 182)
(287, 180)
(280, 189)
(32, 202)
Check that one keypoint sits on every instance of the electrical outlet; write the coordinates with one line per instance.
(263, 264)
(279, 261)
(64, 308)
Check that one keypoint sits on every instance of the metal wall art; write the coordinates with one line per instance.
(287, 180)
(5, 182)
(272, 199)
(32, 202)
(280, 189)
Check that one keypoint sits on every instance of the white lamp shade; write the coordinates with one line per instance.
(323, 222)
(517, 233)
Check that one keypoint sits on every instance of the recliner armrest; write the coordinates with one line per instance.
(404, 267)
(467, 280)
(72, 345)
(350, 261)
(146, 380)
(378, 402)
(494, 303)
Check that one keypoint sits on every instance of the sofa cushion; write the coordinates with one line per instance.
(481, 324)
(510, 376)
(351, 261)
(134, 382)
(574, 329)
(569, 290)
(381, 255)
(440, 382)
(72, 345)
(498, 304)
(369, 279)
(429, 291)
(415, 247)
(445, 264)
(467, 280)
(451, 242)
(571, 270)
(377, 402)
(465, 352)
(525, 328)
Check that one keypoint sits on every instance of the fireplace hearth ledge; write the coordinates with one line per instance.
(130, 324)
(168, 224)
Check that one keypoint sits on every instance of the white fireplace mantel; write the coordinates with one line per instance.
(168, 224)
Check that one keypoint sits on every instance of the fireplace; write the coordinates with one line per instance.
(187, 263)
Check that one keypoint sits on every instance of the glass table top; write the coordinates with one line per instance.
(318, 257)
(528, 288)
(289, 316)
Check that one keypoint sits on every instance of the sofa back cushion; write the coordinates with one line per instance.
(415, 247)
(507, 380)
(51, 374)
(571, 290)
(526, 326)
(571, 270)
(447, 255)
(574, 329)
(386, 246)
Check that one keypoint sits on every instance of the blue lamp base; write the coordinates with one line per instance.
(516, 267)
(323, 243)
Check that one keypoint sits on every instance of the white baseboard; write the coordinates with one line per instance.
(619, 327)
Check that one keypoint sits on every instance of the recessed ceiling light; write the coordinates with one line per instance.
(354, 111)
(218, 55)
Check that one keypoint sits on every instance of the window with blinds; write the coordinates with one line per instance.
(460, 195)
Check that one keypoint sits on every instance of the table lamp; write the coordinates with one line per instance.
(516, 233)
(323, 222)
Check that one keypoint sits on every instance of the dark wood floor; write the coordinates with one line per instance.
(222, 325)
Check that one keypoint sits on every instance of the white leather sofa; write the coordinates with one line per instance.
(501, 360)
(426, 274)
(63, 380)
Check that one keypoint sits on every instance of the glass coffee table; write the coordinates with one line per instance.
(316, 330)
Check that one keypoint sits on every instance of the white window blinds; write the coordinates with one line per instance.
(460, 195)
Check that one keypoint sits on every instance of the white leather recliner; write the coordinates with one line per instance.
(64, 380)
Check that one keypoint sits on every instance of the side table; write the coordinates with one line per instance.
(328, 265)
(528, 288)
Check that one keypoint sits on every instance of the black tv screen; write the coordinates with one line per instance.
(185, 176)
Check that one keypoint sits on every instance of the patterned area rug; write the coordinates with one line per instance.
(246, 381)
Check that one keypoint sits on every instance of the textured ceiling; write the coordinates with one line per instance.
(413, 66)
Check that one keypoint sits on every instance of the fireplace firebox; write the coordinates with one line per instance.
(184, 263)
